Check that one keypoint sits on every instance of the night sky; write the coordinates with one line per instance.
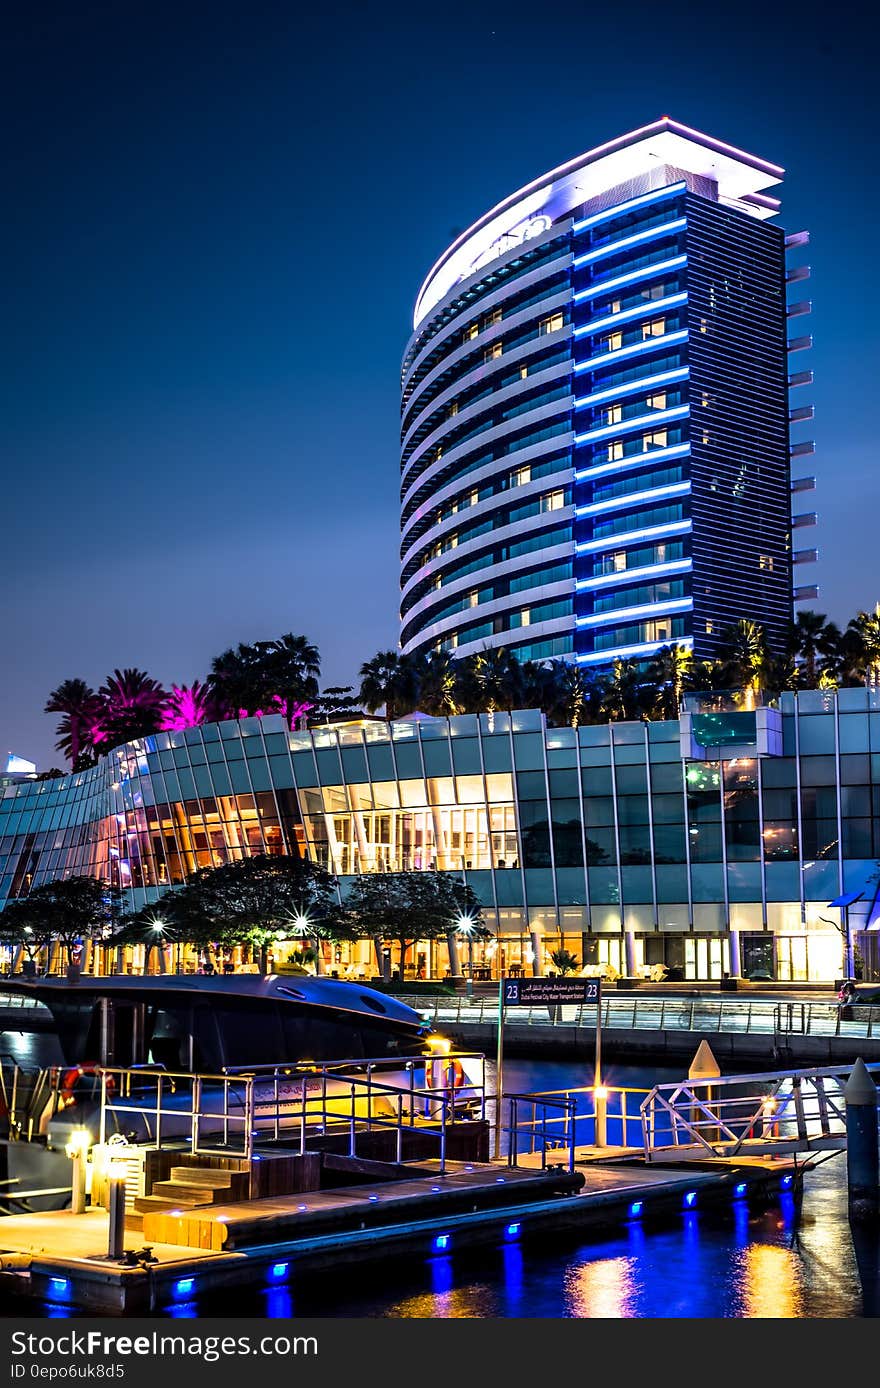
(216, 221)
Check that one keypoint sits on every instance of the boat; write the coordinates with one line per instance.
(132, 1045)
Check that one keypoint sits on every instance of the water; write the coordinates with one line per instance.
(781, 1261)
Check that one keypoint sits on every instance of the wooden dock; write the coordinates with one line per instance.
(60, 1257)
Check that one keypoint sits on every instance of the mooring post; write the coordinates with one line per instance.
(862, 1172)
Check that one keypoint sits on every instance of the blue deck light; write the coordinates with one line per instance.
(442, 1242)
(279, 1270)
(435, 1190)
(786, 1182)
(690, 1199)
(184, 1286)
(740, 1189)
(59, 1285)
(499, 1180)
(635, 1209)
(372, 1197)
(512, 1231)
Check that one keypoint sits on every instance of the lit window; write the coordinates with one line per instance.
(471, 331)
(452, 409)
(704, 325)
(551, 324)
(614, 414)
(473, 598)
(656, 328)
(525, 617)
(710, 627)
(492, 353)
(615, 451)
(615, 305)
(656, 440)
(705, 436)
(474, 498)
(613, 341)
(705, 400)
(438, 453)
(492, 318)
(765, 561)
(657, 402)
(618, 561)
(438, 581)
(523, 372)
(520, 476)
(553, 501)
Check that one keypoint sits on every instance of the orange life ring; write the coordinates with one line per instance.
(74, 1073)
(447, 1074)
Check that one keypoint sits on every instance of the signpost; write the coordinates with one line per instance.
(555, 992)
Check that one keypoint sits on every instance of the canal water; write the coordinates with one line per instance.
(785, 1260)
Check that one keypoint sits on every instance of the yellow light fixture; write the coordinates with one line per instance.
(440, 1045)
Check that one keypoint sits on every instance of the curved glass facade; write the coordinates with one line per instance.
(595, 429)
(678, 842)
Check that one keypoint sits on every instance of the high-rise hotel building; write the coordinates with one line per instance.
(596, 429)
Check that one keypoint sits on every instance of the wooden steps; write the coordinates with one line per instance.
(193, 1187)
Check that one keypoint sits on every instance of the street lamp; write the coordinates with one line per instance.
(465, 927)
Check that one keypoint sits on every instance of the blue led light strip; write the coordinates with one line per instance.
(628, 426)
(630, 315)
(647, 271)
(626, 614)
(632, 387)
(627, 537)
(623, 577)
(617, 503)
(623, 207)
(652, 234)
(651, 344)
(653, 455)
(627, 652)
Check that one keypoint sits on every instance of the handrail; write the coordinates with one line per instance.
(561, 1107)
(750, 1016)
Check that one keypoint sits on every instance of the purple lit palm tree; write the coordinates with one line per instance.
(80, 708)
(188, 706)
(133, 705)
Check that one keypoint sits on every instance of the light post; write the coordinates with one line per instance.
(465, 927)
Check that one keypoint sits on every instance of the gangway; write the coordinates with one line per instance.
(757, 1115)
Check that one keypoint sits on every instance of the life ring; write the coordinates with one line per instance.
(447, 1074)
(70, 1077)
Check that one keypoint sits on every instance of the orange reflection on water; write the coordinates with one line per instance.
(770, 1282)
(604, 1289)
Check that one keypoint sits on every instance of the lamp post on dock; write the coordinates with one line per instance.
(77, 1149)
(117, 1175)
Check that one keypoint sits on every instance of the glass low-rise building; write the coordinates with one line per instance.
(715, 843)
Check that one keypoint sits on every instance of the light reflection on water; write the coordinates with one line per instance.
(734, 1262)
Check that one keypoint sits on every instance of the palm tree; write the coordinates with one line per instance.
(133, 704)
(572, 693)
(389, 681)
(289, 668)
(669, 671)
(491, 680)
(745, 659)
(813, 640)
(620, 697)
(865, 628)
(80, 708)
(188, 706)
(437, 677)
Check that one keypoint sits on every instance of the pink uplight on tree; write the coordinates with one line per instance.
(187, 707)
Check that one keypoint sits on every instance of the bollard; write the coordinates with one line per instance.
(116, 1205)
(862, 1174)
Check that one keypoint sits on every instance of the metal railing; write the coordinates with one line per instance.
(555, 1122)
(745, 1016)
(782, 1111)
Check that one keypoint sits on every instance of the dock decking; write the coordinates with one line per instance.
(61, 1257)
